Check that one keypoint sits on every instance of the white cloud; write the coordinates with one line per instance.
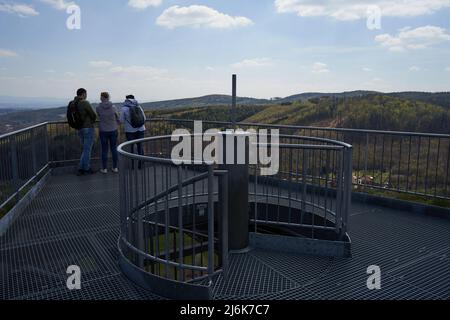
(199, 16)
(139, 71)
(49, 71)
(7, 53)
(410, 39)
(70, 74)
(448, 69)
(414, 68)
(144, 4)
(100, 64)
(367, 70)
(58, 4)
(345, 10)
(209, 68)
(253, 63)
(22, 10)
(320, 67)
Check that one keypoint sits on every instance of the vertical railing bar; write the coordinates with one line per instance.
(448, 168)
(437, 167)
(304, 172)
(180, 220)
(210, 221)
(256, 198)
(399, 164)
(14, 166)
(374, 159)
(339, 193)
(224, 205)
(348, 194)
(167, 222)
(365, 162)
(157, 245)
(290, 184)
(427, 165)
(409, 163)
(382, 162)
(327, 165)
(418, 163)
(391, 161)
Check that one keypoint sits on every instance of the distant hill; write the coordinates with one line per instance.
(371, 111)
(7, 102)
(413, 111)
(210, 100)
(312, 95)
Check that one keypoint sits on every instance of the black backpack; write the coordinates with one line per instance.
(74, 116)
(137, 118)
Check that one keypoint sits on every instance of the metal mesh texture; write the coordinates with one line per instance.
(75, 221)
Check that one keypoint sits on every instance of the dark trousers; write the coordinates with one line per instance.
(109, 141)
(136, 136)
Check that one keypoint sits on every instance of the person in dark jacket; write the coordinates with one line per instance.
(86, 133)
(132, 133)
(108, 131)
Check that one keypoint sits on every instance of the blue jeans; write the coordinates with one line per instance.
(136, 136)
(109, 141)
(87, 141)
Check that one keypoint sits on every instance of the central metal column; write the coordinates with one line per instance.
(238, 208)
(238, 179)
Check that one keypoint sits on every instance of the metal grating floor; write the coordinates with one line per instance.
(74, 221)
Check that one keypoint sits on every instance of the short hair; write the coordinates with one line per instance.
(81, 91)
(130, 96)
(105, 95)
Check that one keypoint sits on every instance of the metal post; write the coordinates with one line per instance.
(33, 154)
(180, 221)
(14, 166)
(223, 201)
(238, 181)
(348, 188)
(233, 106)
(210, 221)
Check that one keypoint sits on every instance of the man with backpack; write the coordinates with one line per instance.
(82, 117)
(133, 118)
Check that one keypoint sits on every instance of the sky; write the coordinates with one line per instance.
(168, 49)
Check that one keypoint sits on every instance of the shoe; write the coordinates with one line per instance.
(104, 171)
(115, 170)
(90, 171)
(80, 173)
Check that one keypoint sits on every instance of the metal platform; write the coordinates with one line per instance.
(75, 221)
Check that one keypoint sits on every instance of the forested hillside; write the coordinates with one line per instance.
(407, 111)
(377, 112)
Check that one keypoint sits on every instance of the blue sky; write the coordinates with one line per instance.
(165, 49)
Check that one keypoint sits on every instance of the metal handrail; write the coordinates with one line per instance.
(433, 135)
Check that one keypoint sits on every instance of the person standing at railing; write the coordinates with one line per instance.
(82, 117)
(108, 131)
(133, 117)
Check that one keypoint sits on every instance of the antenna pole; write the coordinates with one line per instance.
(233, 105)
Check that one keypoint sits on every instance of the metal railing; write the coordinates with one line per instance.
(174, 216)
(311, 193)
(169, 219)
(386, 163)
(23, 159)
